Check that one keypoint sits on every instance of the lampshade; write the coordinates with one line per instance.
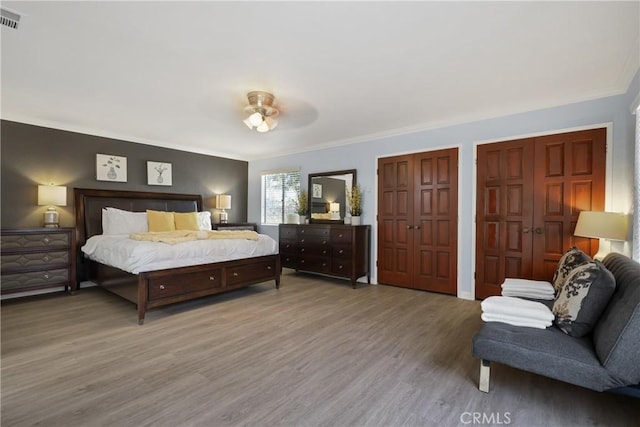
(223, 201)
(334, 207)
(602, 225)
(52, 195)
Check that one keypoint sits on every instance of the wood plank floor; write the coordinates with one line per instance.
(314, 353)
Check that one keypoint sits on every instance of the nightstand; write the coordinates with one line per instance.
(235, 226)
(38, 258)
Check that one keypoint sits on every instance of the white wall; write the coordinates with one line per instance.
(613, 112)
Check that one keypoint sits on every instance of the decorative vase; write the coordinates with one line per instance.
(302, 219)
(111, 174)
(347, 220)
(355, 220)
(291, 219)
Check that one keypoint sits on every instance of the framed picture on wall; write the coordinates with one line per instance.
(111, 168)
(159, 173)
(317, 191)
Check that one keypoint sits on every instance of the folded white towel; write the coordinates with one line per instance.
(516, 321)
(517, 308)
(526, 288)
(527, 282)
(527, 294)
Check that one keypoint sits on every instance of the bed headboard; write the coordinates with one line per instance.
(90, 202)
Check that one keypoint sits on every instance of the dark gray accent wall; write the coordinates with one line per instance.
(33, 155)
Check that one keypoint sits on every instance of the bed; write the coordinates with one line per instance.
(157, 288)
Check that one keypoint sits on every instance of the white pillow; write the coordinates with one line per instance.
(117, 221)
(204, 220)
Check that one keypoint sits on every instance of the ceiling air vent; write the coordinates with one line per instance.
(9, 19)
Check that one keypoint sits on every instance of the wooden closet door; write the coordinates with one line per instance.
(529, 195)
(395, 217)
(436, 221)
(418, 221)
(570, 177)
(504, 214)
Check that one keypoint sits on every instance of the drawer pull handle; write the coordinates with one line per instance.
(324, 252)
(324, 264)
(302, 250)
(340, 267)
(235, 274)
(301, 261)
(341, 251)
(45, 275)
(46, 258)
(324, 242)
(268, 267)
(302, 231)
(302, 241)
(46, 240)
(340, 235)
(162, 287)
(212, 278)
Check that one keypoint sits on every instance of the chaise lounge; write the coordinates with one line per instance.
(606, 359)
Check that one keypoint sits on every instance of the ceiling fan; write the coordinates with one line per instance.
(261, 111)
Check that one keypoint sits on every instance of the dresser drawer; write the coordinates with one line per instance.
(289, 233)
(184, 284)
(341, 235)
(317, 233)
(341, 267)
(313, 239)
(22, 260)
(318, 249)
(290, 247)
(34, 279)
(34, 240)
(243, 274)
(341, 252)
(289, 260)
(314, 263)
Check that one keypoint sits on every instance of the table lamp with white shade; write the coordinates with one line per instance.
(223, 202)
(52, 196)
(602, 225)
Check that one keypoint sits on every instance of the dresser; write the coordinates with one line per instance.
(331, 249)
(38, 258)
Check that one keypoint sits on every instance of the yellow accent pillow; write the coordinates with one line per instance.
(186, 221)
(160, 221)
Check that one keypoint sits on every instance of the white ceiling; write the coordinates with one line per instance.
(176, 74)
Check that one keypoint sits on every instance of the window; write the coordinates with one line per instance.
(279, 195)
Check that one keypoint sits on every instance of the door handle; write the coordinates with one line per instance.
(417, 227)
(409, 227)
(539, 230)
(526, 230)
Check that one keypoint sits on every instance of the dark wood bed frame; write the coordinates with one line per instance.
(162, 287)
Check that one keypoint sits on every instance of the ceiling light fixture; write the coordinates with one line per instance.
(261, 111)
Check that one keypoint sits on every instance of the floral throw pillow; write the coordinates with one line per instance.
(583, 298)
(570, 260)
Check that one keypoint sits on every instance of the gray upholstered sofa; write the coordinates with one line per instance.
(608, 358)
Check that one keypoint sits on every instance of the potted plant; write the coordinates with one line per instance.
(354, 197)
(302, 206)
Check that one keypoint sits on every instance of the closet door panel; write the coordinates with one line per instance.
(436, 189)
(395, 221)
(572, 174)
(504, 211)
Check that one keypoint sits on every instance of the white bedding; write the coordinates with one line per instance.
(136, 256)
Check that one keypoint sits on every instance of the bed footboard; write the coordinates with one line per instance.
(163, 287)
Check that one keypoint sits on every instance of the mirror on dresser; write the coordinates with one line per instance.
(328, 195)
